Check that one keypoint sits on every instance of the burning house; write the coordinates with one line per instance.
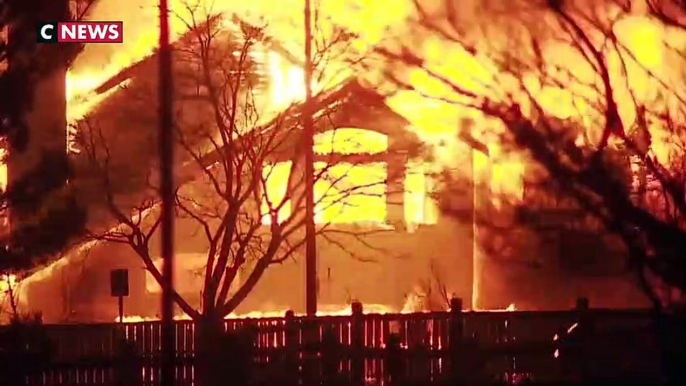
(390, 240)
(386, 236)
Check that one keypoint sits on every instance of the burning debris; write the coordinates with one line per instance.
(324, 310)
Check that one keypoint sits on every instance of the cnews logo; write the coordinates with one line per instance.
(80, 32)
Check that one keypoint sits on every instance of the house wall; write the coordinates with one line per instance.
(386, 277)
(79, 290)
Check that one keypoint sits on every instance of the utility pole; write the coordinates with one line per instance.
(476, 253)
(166, 149)
(308, 140)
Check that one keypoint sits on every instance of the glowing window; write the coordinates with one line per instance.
(350, 193)
(347, 193)
(419, 206)
(344, 192)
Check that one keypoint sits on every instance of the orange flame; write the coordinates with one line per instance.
(325, 310)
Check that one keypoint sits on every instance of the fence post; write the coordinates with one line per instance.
(586, 331)
(394, 362)
(357, 335)
(582, 304)
(128, 364)
(456, 334)
(310, 374)
(292, 347)
(330, 355)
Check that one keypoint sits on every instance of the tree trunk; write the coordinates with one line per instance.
(209, 353)
(222, 358)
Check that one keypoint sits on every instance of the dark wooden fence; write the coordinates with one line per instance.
(380, 349)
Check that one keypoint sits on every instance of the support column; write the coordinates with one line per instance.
(481, 176)
(296, 189)
(395, 186)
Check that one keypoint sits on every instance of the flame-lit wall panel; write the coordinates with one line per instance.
(77, 288)
(4, 215)
(374, 276)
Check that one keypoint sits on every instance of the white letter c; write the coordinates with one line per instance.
(43, 32)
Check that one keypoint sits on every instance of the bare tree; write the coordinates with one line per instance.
(431, 293)
(624, 105)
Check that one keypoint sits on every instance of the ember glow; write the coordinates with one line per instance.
(324, 310)
(411, 306)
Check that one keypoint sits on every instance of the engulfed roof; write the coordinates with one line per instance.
(129, 73)
(350, 104)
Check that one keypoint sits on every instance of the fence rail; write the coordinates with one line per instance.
(377, 349)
